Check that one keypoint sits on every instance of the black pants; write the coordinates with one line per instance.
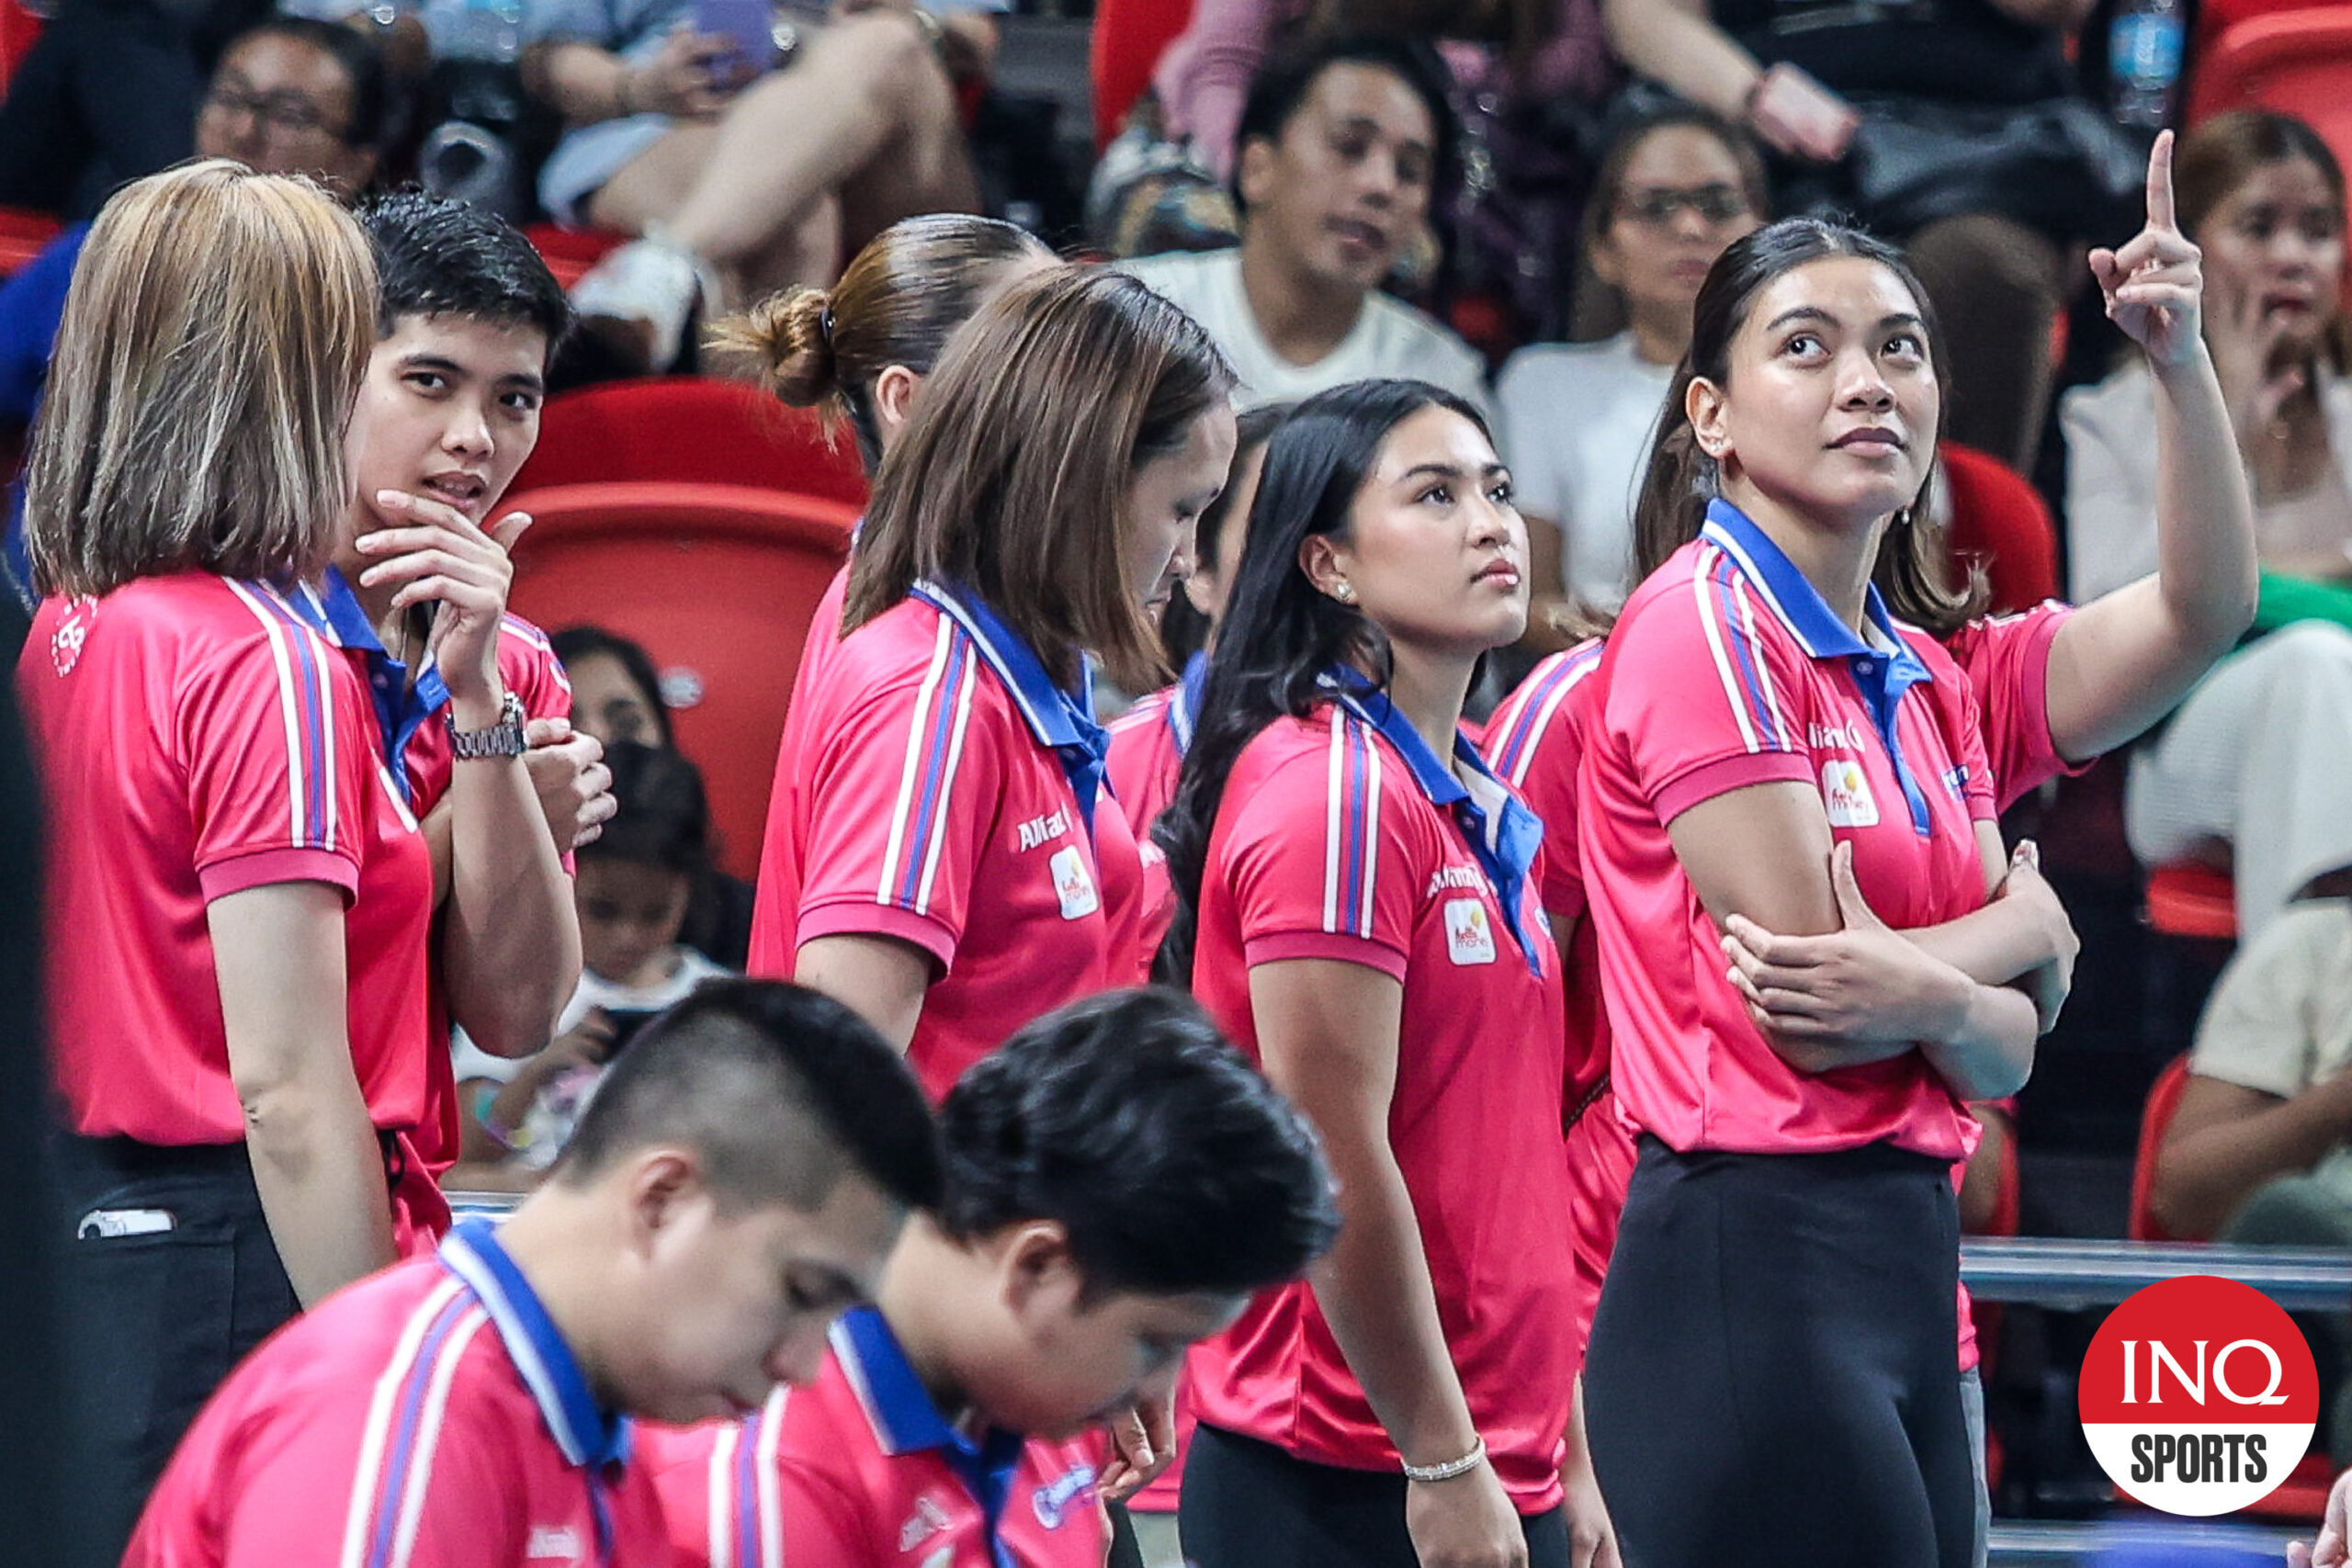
(156, 1321)
(1772, 1378)
(1250, 1505)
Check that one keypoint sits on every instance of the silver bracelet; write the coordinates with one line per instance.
(1450, 1468)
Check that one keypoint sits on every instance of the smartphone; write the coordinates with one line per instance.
(626, 1023)
(749, 26)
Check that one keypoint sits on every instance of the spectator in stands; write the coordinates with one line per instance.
(1339, 151)
(1119, 1181)
(2257, 1148)
(739, 1182)
(290, 97)
(1031, 515)
(2333, 1548)
(616, 692)
(737, 187)
(112, 88)
(637, 882)
(1675, 188)
(2250, 772)
(240, 902)
(1992, 256)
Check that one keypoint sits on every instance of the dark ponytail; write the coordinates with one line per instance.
(1282, 633)
(1912, 571)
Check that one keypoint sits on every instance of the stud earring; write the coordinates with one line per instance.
(1345, 592)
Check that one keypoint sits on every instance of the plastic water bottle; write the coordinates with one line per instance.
(477, 29)
(2143, 54)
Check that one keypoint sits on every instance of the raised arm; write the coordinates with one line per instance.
(2123, 661)
(1328, 1031)
(510, 944)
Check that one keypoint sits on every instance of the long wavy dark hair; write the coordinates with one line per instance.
(1914, 570)
(1281, 632)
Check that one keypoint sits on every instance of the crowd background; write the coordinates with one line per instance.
(1563, 174)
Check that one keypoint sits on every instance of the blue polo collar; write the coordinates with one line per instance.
(1503, 833)
(1185, 702)
(590, 1436)
(334, 611)
(905, 1420)
(1061, 719)
(1882, 669)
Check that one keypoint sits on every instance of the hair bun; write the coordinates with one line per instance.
(789, 335)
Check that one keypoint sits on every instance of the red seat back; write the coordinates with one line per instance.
(718, 583)
(23, 234)
(690, 430)
(2000, 521)
(2295, 62)
(2164, 1099)
(1128, 38)
(570, 253)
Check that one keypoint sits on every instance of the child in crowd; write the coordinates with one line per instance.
(637, 885)
(1118, 1182)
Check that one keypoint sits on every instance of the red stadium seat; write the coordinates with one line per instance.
(2001, 521)
(1127, 40)
(568, 252)
(690, 430)
(2164, 1099)
(2189, 900)
(718, 581)
(23, 234)
(2294, 62)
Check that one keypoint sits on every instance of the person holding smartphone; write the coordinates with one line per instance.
(738, 184)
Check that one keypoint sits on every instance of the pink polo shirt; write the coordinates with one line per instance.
(2007, 660)
(429, 1417)
(1342, 837)
(1725, 670)
(198, 737)
(861, 1471)
(930, 803)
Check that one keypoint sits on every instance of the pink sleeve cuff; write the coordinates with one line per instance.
(861, 916)
(1696, 787)
(1279, 946)
(267, 868)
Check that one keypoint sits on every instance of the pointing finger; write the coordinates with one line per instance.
(2160, 209)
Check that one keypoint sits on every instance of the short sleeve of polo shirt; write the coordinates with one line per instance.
(274, 752)
(901, 799)
(1707, 695)
(2007, 659)
(1964, 721)
(531, 671)
(1319, 861)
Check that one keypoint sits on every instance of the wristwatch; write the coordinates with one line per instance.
(503, 739)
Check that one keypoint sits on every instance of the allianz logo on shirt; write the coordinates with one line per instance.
(1040, 830)
(1463, 878)
(1850, 736)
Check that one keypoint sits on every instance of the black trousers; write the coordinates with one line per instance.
(155, 1320)
(1771, 1378)
(1249, 1504)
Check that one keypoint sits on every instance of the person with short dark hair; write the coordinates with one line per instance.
(471, 708)
(1118, 1182)
(1342, 150)
(737, 1184)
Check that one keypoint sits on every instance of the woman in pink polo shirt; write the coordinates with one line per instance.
(238, 898)
(1775, 1336)
(943, 856)
(1358, 909)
